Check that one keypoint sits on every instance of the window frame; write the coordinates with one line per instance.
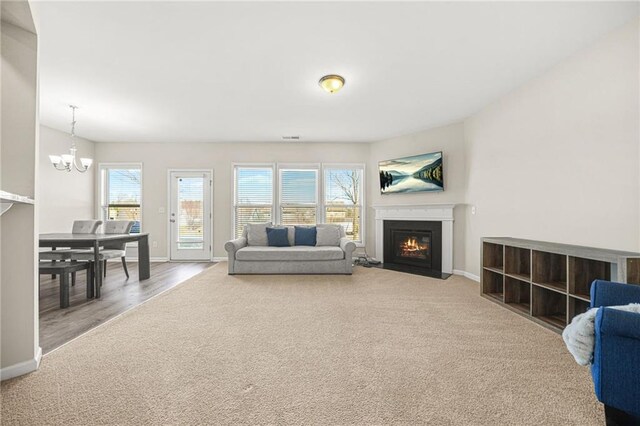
(234, 194)
(362, 204)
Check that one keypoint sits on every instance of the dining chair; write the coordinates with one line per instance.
(79, 227)
(109, 250)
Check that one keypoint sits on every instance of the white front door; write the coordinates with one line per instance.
(190, 215)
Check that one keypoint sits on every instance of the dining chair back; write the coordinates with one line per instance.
(85, 226)
(117, 227)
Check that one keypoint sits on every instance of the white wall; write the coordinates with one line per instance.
(450, 140)
(158, 158)
(18, 227)
(64, 196)
(557, 159)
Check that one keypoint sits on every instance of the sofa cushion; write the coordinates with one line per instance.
(306, 235)
(257, 234)
(278, 237)
(290, 253)
(328, 235)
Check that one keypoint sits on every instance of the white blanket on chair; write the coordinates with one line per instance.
(579, 336)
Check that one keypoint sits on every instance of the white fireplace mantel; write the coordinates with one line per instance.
(428, 212)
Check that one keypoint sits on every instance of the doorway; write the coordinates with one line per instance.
(190, 214)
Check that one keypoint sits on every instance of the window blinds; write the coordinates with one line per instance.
(298, 196)
(254, 196)
(123, 195)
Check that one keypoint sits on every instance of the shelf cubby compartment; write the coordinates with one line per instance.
(549, 306)
(517, 294)
(493, 285)
(577, 307)
(493, 256)
(549, 270)
(582, 272)
(633, 270)
(517, 262)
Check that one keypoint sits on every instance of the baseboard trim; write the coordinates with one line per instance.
(466, 275)
(152, 259)
(21, 368)
(166, 259)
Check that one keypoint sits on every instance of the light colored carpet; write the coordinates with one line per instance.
(378, 347)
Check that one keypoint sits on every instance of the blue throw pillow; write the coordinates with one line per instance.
(277, 237)
(305, 235)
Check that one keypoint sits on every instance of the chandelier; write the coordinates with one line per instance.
(68, 161)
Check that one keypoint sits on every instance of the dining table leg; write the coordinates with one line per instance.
(90, 281)
(53, 262)
(144, 269)
(98, 269)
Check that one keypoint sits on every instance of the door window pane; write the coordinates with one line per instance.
(191, 213)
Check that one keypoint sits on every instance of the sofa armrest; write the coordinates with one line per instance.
(347, 246)
(614, 322)
(616, 359)
(606, 293)
(233, 246)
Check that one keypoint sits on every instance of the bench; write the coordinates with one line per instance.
(65, 269)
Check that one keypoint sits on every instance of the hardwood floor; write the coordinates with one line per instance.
(58, 326)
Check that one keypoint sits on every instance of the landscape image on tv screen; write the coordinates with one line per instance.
(412, 174)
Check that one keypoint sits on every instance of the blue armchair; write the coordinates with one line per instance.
(616, 358)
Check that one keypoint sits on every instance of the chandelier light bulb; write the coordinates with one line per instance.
(86, 162)
(55, 159)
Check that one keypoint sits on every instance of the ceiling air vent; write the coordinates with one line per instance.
(291, 138)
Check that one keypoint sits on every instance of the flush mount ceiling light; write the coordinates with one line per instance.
(332, 83)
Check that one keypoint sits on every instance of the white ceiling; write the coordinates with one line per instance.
(240, 71)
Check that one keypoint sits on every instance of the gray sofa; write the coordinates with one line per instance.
(259, 258)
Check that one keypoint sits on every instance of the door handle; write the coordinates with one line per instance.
(172, 220)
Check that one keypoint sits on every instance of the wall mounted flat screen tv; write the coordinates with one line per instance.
(417, 173)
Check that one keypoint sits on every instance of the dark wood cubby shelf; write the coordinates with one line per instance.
(517, 262)
(549, 283)
(577, 306)
(517, 294)
(493, 285)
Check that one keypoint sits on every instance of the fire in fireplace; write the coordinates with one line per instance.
(413, 246)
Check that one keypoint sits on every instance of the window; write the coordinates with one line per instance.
(298, 196)
(253, 196)
(122, 193)
(343, 199)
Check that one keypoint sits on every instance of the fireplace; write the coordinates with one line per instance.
(413, 246)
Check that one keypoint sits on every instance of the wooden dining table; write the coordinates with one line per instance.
(94, 241)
